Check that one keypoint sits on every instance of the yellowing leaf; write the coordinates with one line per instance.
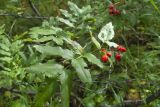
(106, 33)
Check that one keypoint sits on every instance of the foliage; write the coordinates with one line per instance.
(57, 64)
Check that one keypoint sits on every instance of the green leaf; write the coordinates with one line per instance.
(6, 59)
(65, 21)
(84, 74)
(5, 40)
(155, 6)
(67, 15)
(7, 69)
(2, 29)
(48, 69)
(118, 97)
(41, 31)
(64, 78)
(55, 51)
(90, 103)
(2, 52)
(21, 102)
(44, 39)
(4, 47)
(44, 31)
(74, 8)
(67, 54)
(16, 46)
(45, 93)
(89, 100)
(93, 59)
(96, 42)
(86, 10)
(18, 103)
(74, 44)
(57, 40)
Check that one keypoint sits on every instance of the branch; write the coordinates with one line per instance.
(12, 26)
(2, 90)
(35, 10)
(25, 17)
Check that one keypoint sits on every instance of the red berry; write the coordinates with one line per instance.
(104, 58)
(118, 57)
(111, 6)
(109, 54)
(114, 11)
(121, 49)
(111, 12)
(117, 12)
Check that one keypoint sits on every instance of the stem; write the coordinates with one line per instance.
(35, 10)
(25, 17)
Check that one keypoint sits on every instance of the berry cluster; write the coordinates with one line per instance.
(106, 54)
(113, 10)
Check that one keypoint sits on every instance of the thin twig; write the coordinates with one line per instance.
(79, 99)
(35, 10)
(120, 2)
(25, 17)
(10, 32)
